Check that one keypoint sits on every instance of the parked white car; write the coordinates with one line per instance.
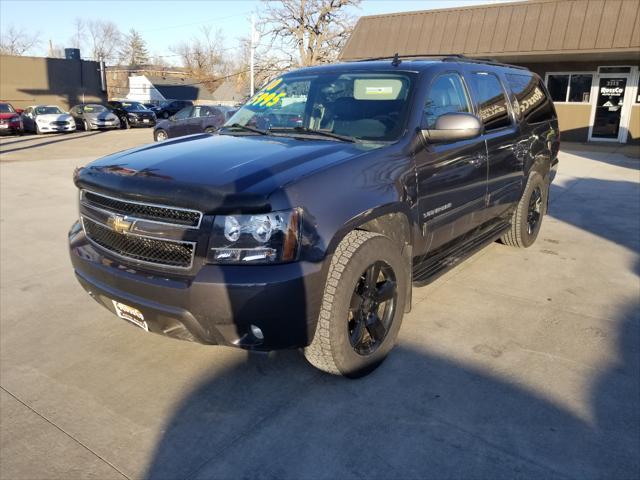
(47, 118)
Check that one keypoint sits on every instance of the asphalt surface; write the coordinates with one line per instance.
(516, 364)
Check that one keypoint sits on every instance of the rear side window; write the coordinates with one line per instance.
(492, 103)
(532, 102)
(447, 95)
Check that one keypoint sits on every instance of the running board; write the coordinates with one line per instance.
(441, 262)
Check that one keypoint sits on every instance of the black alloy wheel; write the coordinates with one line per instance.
(372, 307)
(535, 210)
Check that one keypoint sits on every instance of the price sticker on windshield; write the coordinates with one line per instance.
(268, 96)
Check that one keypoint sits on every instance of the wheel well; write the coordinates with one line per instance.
(396, 227)
(392, 225)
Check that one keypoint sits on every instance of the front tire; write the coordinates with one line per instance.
(528, 215)
(160, 135)
(362, 306)
(86, 126)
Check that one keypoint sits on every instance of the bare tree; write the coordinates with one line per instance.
(309, 32)
(55, 51)
(14, 41)
(79, 33)
(203, 58)
(134, 51)
(105, 40)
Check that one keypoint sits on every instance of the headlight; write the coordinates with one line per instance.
(261, 238)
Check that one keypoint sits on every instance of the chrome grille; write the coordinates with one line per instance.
(153, 234)
(158, 213)
(143, 249)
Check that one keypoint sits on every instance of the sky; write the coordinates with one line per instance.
(164, 23)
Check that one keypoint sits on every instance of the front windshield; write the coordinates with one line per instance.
(363, 106)
(48, 110)
(133, 106)
(94, 109)
(6, 108)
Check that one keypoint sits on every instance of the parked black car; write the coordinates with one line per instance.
(132, 114)
(93, 116)
(311, 235)
(166, 109)
(190, 120)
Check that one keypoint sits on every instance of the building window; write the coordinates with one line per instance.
(570, 87)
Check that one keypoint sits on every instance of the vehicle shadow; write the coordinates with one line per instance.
(421, 414)
(418, 415)
(60, 138)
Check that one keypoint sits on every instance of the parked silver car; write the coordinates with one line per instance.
(47, 118)
(92, 116)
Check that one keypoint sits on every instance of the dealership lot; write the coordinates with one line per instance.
(516, 364)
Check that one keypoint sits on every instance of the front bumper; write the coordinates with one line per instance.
(140, 122)
(217, 306)
(57, 128)
(10, 128)
(103, 126)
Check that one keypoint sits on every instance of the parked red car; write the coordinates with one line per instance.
(10, 119)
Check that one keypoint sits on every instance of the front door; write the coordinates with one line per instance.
(609, 117)
(452, 176)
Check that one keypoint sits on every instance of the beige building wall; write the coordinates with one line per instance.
(634, 124)
(573, 120)
(28, 81)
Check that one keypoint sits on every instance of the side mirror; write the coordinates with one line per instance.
(452, 127)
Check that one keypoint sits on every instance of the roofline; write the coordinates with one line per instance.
(492, 4)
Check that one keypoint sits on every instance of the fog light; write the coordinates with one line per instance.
(256, 332)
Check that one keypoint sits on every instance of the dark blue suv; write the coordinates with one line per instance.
(305, 220)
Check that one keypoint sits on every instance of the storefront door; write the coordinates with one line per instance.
(610, 118)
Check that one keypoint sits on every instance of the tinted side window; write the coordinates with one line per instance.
(492, 103)
(447, 95)
(183, 114)
(532, 102)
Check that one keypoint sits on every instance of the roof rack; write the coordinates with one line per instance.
(446, 57)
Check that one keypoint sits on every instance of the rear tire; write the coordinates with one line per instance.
(528, 215)
(356, 328)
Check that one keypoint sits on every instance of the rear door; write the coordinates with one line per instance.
(501, 133)
(452, 176)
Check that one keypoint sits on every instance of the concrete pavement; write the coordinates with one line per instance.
(516, 364)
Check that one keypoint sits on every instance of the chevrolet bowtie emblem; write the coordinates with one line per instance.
(119, 223)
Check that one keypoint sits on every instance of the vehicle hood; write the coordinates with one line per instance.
(6, 116)
(55, 117)
(213, 173)
(100, 116)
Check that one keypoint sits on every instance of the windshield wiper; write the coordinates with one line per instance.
(311, 131)
(246, 128)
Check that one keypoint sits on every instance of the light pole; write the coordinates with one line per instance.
(251, 53)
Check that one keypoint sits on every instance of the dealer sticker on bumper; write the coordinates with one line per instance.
(130, 314)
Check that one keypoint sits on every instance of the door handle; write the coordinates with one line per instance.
(476, 160)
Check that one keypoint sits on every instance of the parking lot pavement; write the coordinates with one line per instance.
(77, 145)
(516, 364)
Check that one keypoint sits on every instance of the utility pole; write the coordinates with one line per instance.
(251, 53)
